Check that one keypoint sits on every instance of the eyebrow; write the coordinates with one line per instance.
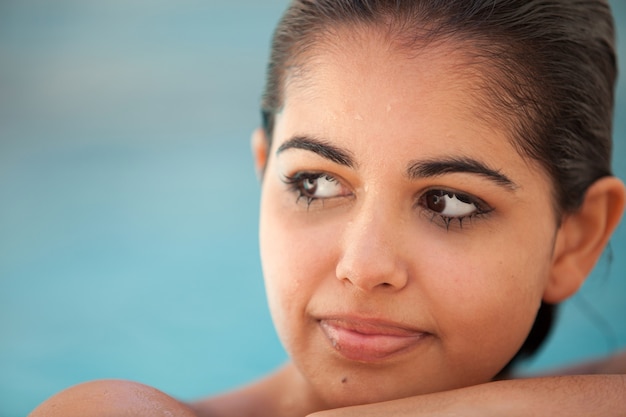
(438, 167)
(320, 147)
(416, 169)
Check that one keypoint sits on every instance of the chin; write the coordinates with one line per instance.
(355, 392)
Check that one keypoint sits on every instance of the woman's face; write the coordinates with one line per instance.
(406, 245)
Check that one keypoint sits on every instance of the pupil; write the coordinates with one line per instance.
(436, 202)
(309, 185)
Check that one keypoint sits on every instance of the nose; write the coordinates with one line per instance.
(371, 257)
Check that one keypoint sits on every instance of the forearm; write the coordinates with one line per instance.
(589, 395)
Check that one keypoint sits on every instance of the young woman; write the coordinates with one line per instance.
(435, 178)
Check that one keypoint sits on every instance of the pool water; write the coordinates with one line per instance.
(128, 201)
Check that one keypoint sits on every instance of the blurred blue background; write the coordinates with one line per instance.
(128, 202)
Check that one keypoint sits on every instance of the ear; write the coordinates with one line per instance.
(582, 237)
(260, 151)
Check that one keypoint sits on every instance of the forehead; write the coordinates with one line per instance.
(364, 71)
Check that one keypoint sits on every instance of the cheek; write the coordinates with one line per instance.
(492, 302)
(296, 259)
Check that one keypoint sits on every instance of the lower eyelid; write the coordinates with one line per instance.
(449, 223)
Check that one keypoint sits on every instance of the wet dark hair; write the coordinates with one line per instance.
(548, 73)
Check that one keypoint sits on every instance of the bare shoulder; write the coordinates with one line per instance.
(112, 398)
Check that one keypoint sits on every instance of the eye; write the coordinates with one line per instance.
(315, 186)
(448, 206)
(323, 186)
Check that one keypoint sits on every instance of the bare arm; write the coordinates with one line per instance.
(588, 395)
(593, 388)
(599, 395)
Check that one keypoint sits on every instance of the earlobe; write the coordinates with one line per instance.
(260, 144)
(582, 237)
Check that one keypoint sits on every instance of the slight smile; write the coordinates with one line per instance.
(364, 340)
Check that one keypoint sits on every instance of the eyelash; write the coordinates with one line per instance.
(296, 185)
(482, 208)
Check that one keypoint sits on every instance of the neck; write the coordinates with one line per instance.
(284, 393)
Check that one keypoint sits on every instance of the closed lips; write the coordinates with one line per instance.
(369, 340)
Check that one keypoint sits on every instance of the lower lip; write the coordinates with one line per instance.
(370, 345)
